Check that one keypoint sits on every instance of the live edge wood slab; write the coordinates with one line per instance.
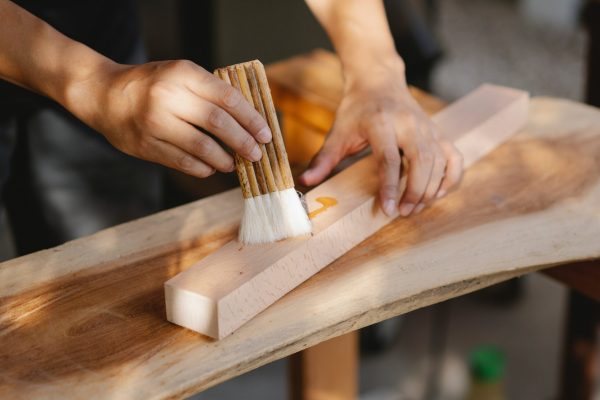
(86, 319)
(226, 289)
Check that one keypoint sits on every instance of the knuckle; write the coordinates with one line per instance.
(205, 172)
(181, 65)
(410, 123)
(440, 164)
(184, 162)
(231, 97)
(413, 195)
(149, 122)
(426, 156)
(377, 118)
(389, 191)
(202, 146)
(144, 147)
(391, 159)
(216, 118)
(158, 91)
(257, 122)
(246, 145)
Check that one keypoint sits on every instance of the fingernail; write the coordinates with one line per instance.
(440, 194)
(264, 135)
(389, 207)
(406, 209)
(256, 154)
(419, 208)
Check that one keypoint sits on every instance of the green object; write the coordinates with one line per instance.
(487, 364)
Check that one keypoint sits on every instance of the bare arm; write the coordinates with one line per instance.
(378, 110)
(151, 111)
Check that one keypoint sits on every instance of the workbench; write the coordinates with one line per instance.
(87, 320)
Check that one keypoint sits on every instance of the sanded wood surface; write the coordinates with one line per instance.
(86, 320)
(226, 289)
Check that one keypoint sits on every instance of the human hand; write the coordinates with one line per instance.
(378, 110)
(154, 111)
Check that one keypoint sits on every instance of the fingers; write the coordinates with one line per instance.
(230, 100)
(220, 123)
(173, 157)
(324, 162)
(438, 169)
(198, 145)
(421, 160)
(382, 136)
(454, 168)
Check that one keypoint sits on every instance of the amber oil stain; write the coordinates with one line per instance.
(326, 202)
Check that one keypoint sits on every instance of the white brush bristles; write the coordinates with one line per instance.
(294, 218)
(274, 216)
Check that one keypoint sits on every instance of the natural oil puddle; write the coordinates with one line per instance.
(326, 202)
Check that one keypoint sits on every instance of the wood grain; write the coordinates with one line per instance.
(86, 320)
(225, 290)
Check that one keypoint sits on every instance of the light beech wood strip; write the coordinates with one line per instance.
(225, 290)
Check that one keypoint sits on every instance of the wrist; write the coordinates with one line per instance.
(82, 86)
(373, 69)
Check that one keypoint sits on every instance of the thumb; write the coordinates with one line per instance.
(323, 163)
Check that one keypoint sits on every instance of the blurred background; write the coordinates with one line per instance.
(450, 47)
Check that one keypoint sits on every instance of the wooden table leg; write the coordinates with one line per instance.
(327, 371)
(580, 348)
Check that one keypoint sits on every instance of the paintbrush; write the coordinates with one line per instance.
(272, 207)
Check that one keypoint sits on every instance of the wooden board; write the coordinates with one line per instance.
(86, 320)
(232, 285)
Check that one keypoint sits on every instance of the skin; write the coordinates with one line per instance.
(378, 110)
(154, 111)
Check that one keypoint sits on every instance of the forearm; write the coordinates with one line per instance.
(360, 34)
(36, 56)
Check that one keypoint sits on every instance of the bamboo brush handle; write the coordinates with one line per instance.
(267, 101)
(240, 167)
(272, 173)
(255, 175)
(264, 163)
(258, 104)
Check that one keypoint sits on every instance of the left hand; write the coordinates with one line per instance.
(378, 110)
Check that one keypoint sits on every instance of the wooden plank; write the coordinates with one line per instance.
(91, 324)
(327, 371)
(223, 291)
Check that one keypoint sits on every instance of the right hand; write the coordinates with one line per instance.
(154, 111)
